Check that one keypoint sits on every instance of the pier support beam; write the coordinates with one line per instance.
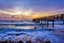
(52, 23)
(33, 20)
(47, 23)
(53, 18)
(57, 17)
(63, 21)
(41, 21)
(61, 17)
(38, 21)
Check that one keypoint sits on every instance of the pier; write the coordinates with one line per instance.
(53, 18)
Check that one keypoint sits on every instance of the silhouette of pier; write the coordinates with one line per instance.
(53, 18)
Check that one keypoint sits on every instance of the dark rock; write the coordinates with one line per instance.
(3, 41)
(28, 42)
(20, 42)
(47, 42)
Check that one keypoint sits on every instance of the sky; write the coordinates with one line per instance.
(29, 9)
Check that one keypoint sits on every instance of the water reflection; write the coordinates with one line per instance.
(16, 27)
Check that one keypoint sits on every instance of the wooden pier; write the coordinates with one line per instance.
(59, 17)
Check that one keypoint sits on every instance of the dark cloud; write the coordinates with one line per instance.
(12, 16)
(4, 17)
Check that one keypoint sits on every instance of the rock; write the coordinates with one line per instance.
(28, 42)
(47, 42)
(3, 41)
(10, 41)
(20, 42)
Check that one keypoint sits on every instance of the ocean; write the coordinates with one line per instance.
(24, 30)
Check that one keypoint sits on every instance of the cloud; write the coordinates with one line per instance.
(30, 7)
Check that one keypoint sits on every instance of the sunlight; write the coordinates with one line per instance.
(18, 13)
(26, 13)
